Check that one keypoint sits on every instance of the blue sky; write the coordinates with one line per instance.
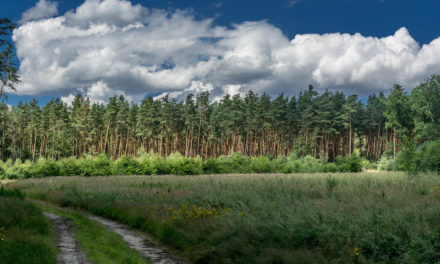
(368, 17)
(376, 18)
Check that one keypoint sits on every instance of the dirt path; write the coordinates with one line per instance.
(137, 242)
(70, 252)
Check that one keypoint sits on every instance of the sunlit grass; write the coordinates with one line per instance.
(300, 218)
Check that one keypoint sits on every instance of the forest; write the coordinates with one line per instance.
(323, 125)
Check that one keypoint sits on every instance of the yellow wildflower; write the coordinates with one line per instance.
(2, 234)
(357, 251)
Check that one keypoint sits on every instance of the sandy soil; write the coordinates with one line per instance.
(138, 242)
(70, 252)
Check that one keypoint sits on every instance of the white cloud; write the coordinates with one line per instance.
(108, 47)
(43, 9)
(68, 99)
(292, 3)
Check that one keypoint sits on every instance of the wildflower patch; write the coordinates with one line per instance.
(189, 213)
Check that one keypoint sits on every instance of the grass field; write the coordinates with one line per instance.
(300, 218)
(26, 235)
(100, 245)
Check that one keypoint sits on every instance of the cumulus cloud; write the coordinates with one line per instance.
(108, 47)
(43, 9)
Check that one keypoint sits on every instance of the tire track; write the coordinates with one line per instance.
(140, 243)
(70, 252)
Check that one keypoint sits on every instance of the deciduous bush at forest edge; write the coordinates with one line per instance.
(152, 164)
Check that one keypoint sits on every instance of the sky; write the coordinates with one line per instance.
(102, 48)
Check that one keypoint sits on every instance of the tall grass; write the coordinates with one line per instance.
(300, 218)
(25, 233)
(152, 164)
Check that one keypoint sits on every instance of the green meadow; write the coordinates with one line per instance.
(387, 217)
(26, 236)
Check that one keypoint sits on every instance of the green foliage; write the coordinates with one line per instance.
(352, 163)
(307, 164)
(126, 165)
(17, 170)
(45, 168)
(426, 158)
(11, 192)
(387, 164)
(367, 164)
(70, 166)
(211, 166)
(302, 218)
(425, 103)
(234, 163)
(25, 233)
(180, 165)
(8, 68)
(320, 125)
(177, 164)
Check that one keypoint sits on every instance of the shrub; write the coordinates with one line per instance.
(69, 167)
(161, 166)
(211, 166)
(330, 167)
(262, 164)
(180, 165)
(352, 163)
(17, 170)
(234, 163)
(425, 158)
(126, 165)
(387, 164)
(45, 168)
(101, 166)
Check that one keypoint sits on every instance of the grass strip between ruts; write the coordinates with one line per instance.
(101, 245)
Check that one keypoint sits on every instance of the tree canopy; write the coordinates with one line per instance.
(8, 68)
(324, 125)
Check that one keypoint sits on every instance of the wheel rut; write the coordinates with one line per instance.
(70, 251)
(141, 243)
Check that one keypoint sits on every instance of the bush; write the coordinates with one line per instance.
(263, 164)
(211, 166)
(70, 167)
(304, 164)
(368, 164)
(234, 163)
(426, 158)
(161, 166)
(352, 163)
(177, 164)
(17, 170)
(331, 167)
(387, 164)
(126, 165)
(45, 168)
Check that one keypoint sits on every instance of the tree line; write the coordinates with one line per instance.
(323, 125)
